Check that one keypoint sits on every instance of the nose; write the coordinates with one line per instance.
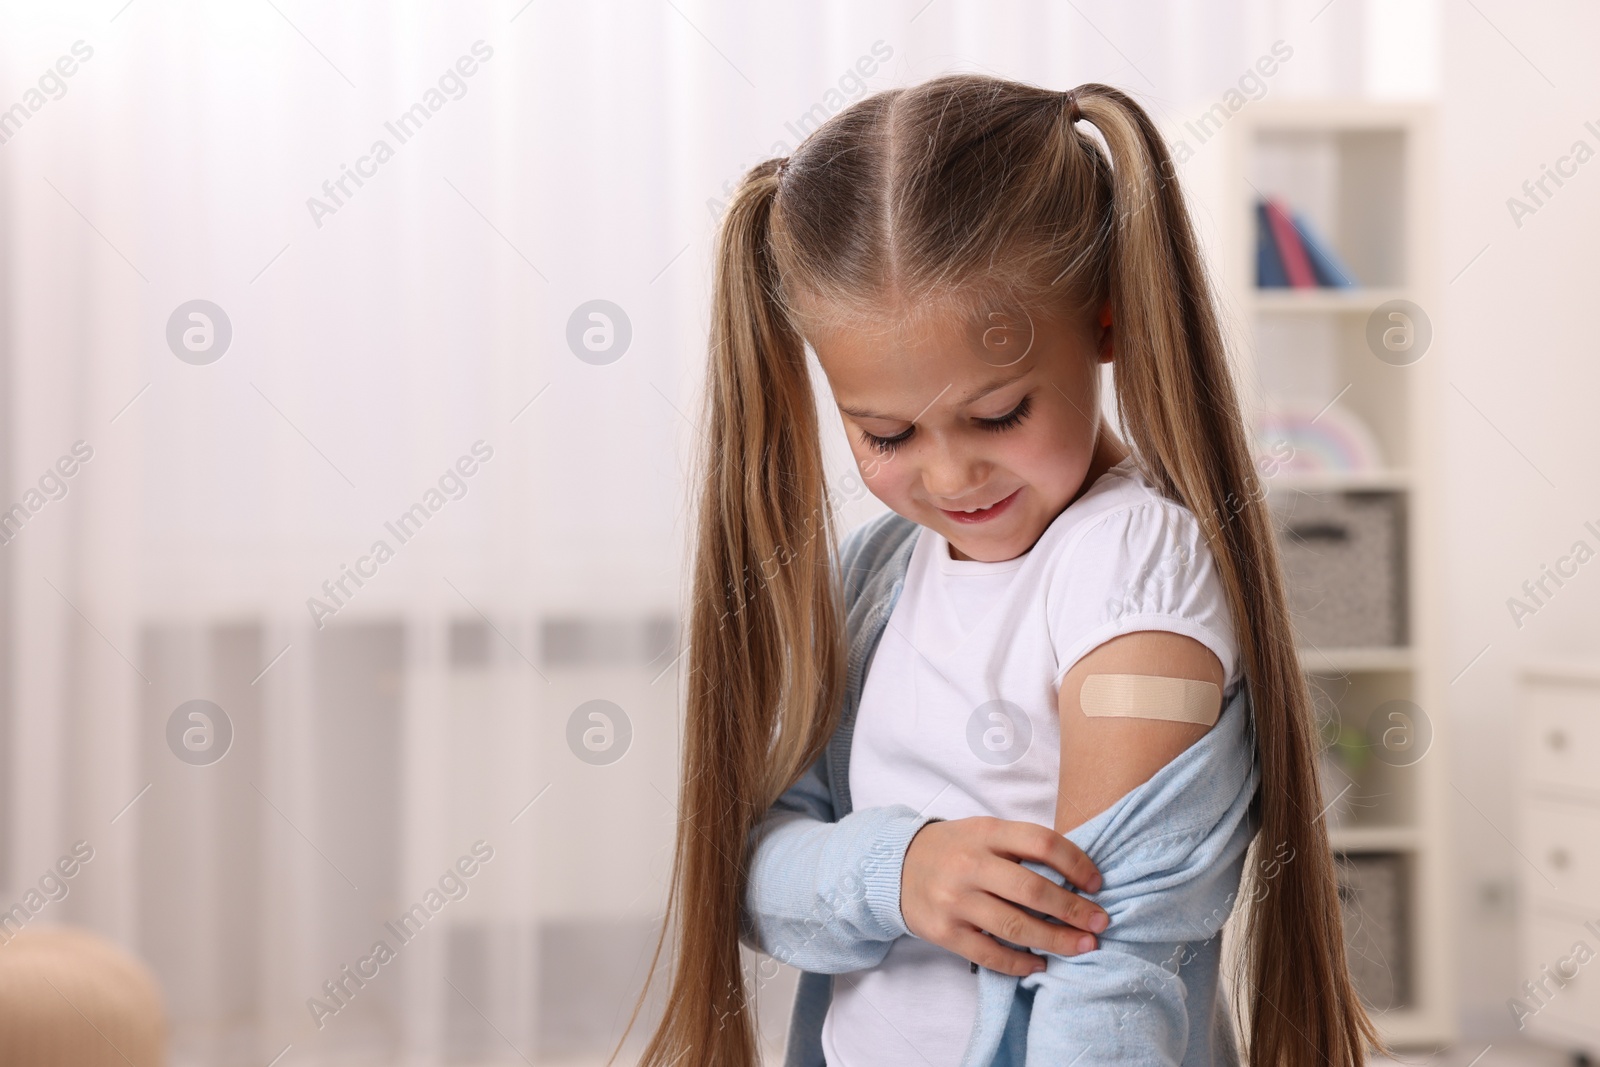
(952, 472)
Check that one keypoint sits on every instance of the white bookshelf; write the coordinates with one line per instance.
(1360, 173)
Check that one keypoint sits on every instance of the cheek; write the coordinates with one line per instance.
(886, 475)
(1054, 456)
(1042, 440)
(1039, 460)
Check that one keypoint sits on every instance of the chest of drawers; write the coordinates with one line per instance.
(1556, 997)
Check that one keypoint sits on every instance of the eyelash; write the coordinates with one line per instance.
(888, 445)
(1011, 418)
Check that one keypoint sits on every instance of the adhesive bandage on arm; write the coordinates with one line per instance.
(1144, 696)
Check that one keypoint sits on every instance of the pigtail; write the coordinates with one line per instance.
(766, 658)
(1176, 397)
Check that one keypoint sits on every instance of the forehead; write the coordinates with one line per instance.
(885, 361)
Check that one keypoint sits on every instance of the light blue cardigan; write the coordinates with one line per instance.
(823, 891)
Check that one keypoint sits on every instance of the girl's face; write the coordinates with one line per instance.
(973, 431)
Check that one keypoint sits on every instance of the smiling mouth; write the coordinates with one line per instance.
(982, 514)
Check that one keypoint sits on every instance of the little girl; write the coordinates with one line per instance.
(1063, 658)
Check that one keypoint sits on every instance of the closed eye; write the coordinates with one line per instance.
(1010, 418)
(887, 444)
(998, 424)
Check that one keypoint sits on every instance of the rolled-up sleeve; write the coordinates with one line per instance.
(1128, 1001)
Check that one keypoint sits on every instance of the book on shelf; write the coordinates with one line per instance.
(1296, 264)
(1325, 263)
(1269, 264)
(1290, 254)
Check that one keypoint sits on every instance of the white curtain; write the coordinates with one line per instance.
(381, 328)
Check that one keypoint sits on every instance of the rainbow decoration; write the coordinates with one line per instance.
(1298, 440)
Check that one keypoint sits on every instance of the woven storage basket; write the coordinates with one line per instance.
(1342, 559)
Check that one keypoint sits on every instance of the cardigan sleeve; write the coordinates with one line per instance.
(823, 895)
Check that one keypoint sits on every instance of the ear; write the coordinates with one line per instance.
(1105, 336)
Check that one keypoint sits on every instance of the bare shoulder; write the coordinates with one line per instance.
(1128, 708)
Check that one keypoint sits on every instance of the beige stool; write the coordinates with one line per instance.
(69, 998)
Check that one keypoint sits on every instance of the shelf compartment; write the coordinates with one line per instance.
(1344, 562)
(1349, 184)
(1379, 916)
(1370, 764)
(1314, 364)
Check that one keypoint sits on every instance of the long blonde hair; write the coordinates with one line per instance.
(963, 191)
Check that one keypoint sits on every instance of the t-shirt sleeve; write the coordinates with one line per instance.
(1142, 567)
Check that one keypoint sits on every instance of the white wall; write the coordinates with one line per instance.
(1516, 336)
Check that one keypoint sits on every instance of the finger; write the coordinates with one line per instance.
(985, 951)
(1007, 921)
(1031, 841)
(1015, 884)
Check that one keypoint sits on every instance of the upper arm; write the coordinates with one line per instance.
(1104, 757)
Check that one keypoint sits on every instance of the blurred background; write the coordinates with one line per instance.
(349, 380)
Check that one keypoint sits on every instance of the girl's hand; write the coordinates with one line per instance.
(962, 878)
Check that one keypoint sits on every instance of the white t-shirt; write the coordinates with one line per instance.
(958, 713)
